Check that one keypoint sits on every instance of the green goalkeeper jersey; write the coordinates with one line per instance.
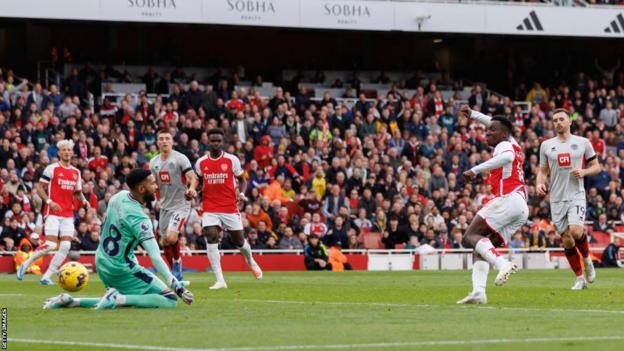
(126, 226)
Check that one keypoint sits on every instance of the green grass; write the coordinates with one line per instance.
(291, 309)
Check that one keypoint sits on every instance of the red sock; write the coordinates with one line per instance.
(175, 250)
(169, 254)
(575, 261)
(582, 245)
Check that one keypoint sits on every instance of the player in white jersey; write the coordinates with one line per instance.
(563, 158)
(172, 171)
(500, 218)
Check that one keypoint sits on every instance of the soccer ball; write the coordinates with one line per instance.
(73, 276)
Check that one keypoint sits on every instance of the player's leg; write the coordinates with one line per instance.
(163, 224)
(136, 288)
(66, 234)
(209, 223)
(476, 237)
(480, 270)
(234, 225)
(51, 229)
(559, 212)
(175, 228)
(576, 227)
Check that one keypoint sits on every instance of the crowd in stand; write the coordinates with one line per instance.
(390, 165)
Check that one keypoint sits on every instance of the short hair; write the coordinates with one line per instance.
(65, 143)
(216, 131)
(504, 121)
(561, 110)
(163, 131)
(136, 177)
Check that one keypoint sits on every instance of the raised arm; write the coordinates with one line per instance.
(467, 112)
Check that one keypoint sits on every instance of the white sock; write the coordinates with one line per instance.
(480, 270)
(51, 245)
(58, 258)
(215, 261)
(245, 250)
(485, 248)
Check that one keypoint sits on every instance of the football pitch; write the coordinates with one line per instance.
(333, 311)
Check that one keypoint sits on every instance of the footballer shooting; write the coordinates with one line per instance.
(500, 218)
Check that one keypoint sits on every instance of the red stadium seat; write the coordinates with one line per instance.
(372, 241)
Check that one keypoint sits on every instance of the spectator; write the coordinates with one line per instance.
(289, 241)
(601, 225)
(24, 251)
(611, 255)
(315, 255)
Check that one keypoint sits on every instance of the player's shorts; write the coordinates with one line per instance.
(227, 221)
(566, 213)
(59, 226)
(132, 281)
(505, 215)
(172, 221)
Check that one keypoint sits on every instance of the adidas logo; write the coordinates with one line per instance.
(531, 23)
(614, 28)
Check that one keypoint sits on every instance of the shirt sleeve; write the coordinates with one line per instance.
(185, 164)
(503, 154)
(543, 159)
(236, 167)
(47, 175)
(198, 167)
(481, 118)
(145, 230)
(79, 182)
(590, 154)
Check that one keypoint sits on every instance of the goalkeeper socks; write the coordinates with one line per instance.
(86, 302)
(175, 250)
(575, 260)
(480, 270)
(485, 248)
(58, 258)
(245, 250)
(215, 261)
(582, 245)
(147, 301)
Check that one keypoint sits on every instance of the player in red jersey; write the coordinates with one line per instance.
(58, 185)
(219, 172)
(501, 217)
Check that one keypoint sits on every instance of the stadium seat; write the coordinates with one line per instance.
(372, 240)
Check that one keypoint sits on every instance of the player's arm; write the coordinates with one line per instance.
(242, 186)
(477, 116)
(591, 158)
(543, 172)
(497, 161)
(191, 176)
(46, 177)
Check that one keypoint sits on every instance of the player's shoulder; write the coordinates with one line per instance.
(504, 145)
(579, 139)
(154, 160)
(230, 156)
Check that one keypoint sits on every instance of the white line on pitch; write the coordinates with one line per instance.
(383, 304)
(3, 295)
(328, 347)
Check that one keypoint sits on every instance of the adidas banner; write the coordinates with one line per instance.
(380, 15)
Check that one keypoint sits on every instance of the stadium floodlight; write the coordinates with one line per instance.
(421, 19)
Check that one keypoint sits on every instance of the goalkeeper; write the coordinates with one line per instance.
(128, 283)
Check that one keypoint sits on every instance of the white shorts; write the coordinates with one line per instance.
(227, 221)
(505, 215)
(59, 226)
(172, 221)
(568, 213)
